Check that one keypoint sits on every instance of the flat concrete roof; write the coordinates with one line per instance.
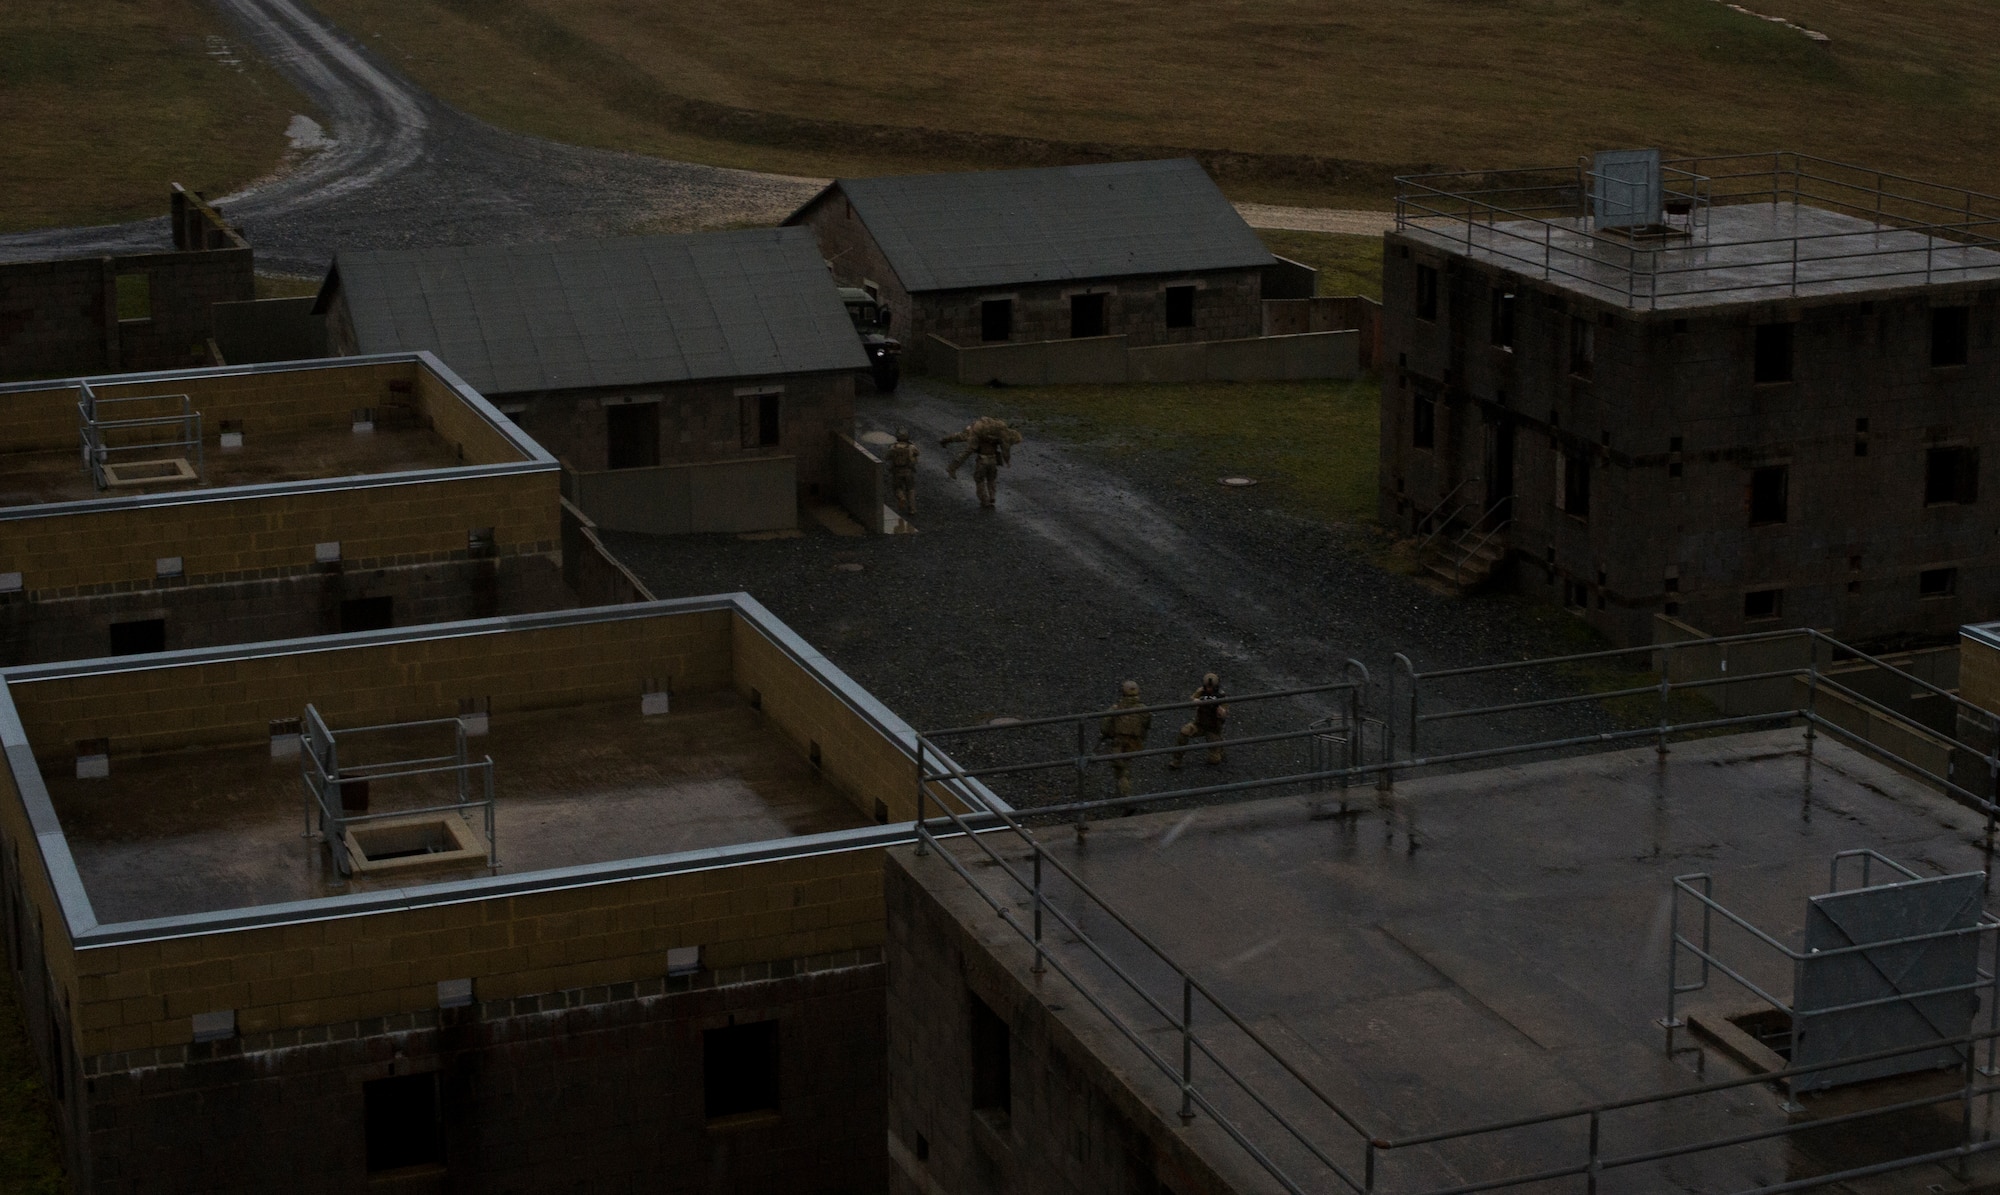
(220, 828)
(46, 476)
(1743, 254)
(1512, 963)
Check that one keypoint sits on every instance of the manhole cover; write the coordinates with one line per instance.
(849, 567)
(878, 438)
(1238, 482)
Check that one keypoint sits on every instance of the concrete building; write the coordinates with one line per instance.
(1148, 251)
(1761, 401)
(1615, 971)
(651, 962)
(722, 364)
(229, 505)
(140, 311)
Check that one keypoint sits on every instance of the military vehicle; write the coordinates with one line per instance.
(871, 320)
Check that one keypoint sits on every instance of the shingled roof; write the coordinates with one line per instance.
(627, 312)
(1005, 227)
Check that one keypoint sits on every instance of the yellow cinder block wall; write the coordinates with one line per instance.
(235, 534)
(1979, 673)
(280, 400)
(234, 700)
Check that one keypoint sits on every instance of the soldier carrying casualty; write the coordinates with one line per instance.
(1126, 731)
(992, 441)
(903, 471)
(1209, 715)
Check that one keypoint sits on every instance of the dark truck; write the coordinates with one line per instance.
(871, 321)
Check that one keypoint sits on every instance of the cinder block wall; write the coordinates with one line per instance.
(1076, 1125)
(1979, 673)
(865, 766)
(234, 700)
(704, 421)
(60, 318)
(283, 400)
(238, 537)
(1227, 306)
(1673, 423)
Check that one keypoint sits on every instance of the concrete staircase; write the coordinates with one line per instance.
(1466, 558)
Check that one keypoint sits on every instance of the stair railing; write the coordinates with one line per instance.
(1458, 561)
(1431, 518)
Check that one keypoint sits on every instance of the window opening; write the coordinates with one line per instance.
(1951, 475)
(1582, 346)
(1763, 603)
(139, 636)
(1086, 315)
(762, 421)
(401, 1115)
(1427, 293)
(996, 319)
(992, 1060)
(1773, 354)
(1573, 484)
(1423, 420)
(1180, 306)
(1948, 335)
(367, 614)
(632, 435)
(1503, 319)
(739, 1067)
(1769, 499)
(1937, 582)
(135, 297)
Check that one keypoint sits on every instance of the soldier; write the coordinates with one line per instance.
(1209, 715)
(1126, 733)
(992, 441)
(903, 471)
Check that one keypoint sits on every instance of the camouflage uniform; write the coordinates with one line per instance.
(903, 471)
(992, 441)
(1209, 715)
(1126, 733)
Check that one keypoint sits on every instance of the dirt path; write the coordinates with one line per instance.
(397, 168)
(1317, 219)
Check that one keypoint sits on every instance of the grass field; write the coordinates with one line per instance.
(29, 1155)
(102, 104)
(1311, 446)
(1911, 85)
(1347, 265)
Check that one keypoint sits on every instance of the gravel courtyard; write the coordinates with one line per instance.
(1098, 567)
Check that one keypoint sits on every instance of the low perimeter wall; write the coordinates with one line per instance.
(755, 494)
(860, 481)
(1107, 359)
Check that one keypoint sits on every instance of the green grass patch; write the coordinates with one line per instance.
(1311, 446)
(1347, 265)
(30, 1155)
(286, 286)
(106, 103)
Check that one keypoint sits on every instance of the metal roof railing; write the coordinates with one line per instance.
(1301, 1136)
(1537, 221)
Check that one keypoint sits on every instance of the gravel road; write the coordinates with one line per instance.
(403, 170)
(1096, 568)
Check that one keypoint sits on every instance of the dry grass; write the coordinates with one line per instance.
(1910, 85)
(105, 102)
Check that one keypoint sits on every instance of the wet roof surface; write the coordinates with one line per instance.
(222, 828)
(1513, 963)
(633, 311)
(1744, 254)
(1001, 227)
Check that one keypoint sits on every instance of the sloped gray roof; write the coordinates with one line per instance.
(626, 312)
(1004, 227)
